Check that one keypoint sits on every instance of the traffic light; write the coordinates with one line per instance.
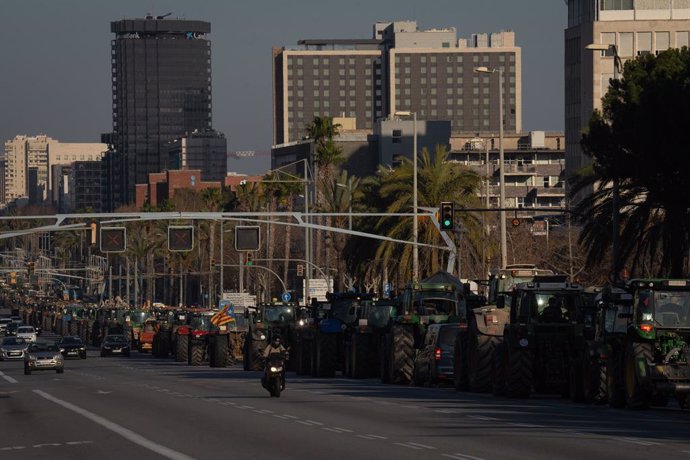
(250, 259)
(300, 270)
(180, 238)
(113, 239)
(447, 215)
(30, 268)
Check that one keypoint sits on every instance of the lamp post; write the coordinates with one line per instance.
(501, 163)
(617, 67)
(415, 225)
(349, 200)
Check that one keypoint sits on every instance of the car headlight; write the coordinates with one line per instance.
(106, 348)
(62, 350)
(276, 369)
(82, 348)
(57, 357)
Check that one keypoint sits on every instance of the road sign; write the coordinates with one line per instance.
(180, 238)
(286, 297)
(387, 288)
(318, 287)
(113, 239)
(247, 238)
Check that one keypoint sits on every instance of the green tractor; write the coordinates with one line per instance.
(262, 323)
(364, 341)
(613, 307)
(652, 360)
(420, 304)
(541, 339)
(474, 350)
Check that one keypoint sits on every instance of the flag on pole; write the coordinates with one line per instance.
(224, 316)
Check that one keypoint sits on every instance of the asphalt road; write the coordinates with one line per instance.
(141, 407)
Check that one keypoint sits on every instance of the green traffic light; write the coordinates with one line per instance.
(446, 223)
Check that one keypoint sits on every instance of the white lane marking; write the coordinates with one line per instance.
(279, 416)
(101, 392)
(333, 430)
(214, 400)
(118, 429)
(483, 418)
(364, 436)
(345, 430)
(459, 456)
(290, 416)
(78, 443)
(423, 446)
(47, 444)
(7, 377)
(526, 425)
(638, 441)
(376, 436)
(245, 407)
(446, 411)
(229, 403)
(315, 422)
(402, 444)
(13, 448)
(304, 423)
(264, 411)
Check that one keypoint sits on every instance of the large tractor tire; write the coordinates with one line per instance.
(576, 382)
(326, 355)
(615, 388)
(519, 375)
(402, 354)
(480, 350)
(498, 377)
(638, 357)
(460, 380)
(594, 375)
(219, 356)
(182, 348)
(361, 356)
(196, 353)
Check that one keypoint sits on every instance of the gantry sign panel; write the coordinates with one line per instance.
(180, 238)
(113, 239)
(247, 238)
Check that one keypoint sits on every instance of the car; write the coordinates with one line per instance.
(72, 346)
(434, 362)
(3, 324)
(11, 329)
(28, 333)
(13, 348)
(115, 344)
(43, 357)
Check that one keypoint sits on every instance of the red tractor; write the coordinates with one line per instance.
(191, 338)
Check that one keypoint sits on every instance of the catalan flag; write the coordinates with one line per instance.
(224, 316)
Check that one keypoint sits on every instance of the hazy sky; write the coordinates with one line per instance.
(55, 57)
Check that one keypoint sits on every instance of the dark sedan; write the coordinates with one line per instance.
(72, 347)
(115, 344)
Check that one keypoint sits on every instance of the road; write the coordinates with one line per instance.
(141, 407)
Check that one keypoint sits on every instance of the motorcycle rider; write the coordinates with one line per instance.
(274, 347)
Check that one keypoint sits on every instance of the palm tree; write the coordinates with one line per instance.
(438, 181)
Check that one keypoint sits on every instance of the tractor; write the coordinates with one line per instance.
(364, 342)
(263, 322)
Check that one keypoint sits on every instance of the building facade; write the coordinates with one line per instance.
(402, 68)
(161, 90)
(205, 150)
(85, 186)
(28, 162)
(635, 27)
(535, 169)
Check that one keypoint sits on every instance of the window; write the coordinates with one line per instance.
(626, 44)
(682, 39)
(644, 43)
(616, 4)
(662, 41)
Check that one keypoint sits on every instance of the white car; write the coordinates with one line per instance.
(27, 333)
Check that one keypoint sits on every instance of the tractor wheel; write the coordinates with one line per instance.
(257, 352)
(384, 357)
(638, 357)
(326, 355)
(73, 327)
(196, 354)
(402, 354)
(460, 362)
(576, 387)
(182, 349)
(615, 389)
(220, 352)
(479, 356)
(519, 374)
(361, 362)
(594, 375)
(498, 377)
(246, 353)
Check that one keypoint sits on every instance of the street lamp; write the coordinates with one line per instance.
(615, 192)
(349, 200)
(501, 163)
(415, 228)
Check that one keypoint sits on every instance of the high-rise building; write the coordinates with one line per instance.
(36, 155)
(402, 68)
(161, 90)
(203, 150)
(634, 28)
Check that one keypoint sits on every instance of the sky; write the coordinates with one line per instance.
(55, 57)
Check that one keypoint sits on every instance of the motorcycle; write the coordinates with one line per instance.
(273, 379)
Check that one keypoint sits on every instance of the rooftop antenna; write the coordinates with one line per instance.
(163, 15)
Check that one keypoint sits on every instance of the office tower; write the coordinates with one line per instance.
(635, 28)
(401, 68)
(161, 90)
(203, 150)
